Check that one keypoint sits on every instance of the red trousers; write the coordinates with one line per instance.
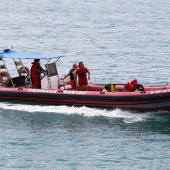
(73, 84)
(36, 81)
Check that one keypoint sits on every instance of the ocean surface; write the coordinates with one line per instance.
(118, 41)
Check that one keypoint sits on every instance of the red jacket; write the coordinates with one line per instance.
(35, 76)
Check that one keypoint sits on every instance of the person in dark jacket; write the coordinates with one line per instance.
(72, 82)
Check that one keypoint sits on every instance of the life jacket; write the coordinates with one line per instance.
(81, 73)
(132, 85)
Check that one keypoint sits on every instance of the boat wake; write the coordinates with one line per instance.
(128, 117)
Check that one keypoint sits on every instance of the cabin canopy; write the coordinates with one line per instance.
(17, 55)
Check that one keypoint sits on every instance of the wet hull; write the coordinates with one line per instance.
(140, 101)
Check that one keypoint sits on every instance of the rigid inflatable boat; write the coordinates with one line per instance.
(130, 96)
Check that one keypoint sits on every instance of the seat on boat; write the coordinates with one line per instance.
(17, 81)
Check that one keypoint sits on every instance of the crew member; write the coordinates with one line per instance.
(36, 71)
(72, 82)
(82, 72)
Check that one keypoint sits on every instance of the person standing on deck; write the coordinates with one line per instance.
(81, 72)
(36, 71)
(71, 74)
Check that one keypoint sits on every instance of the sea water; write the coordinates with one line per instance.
(118, 41)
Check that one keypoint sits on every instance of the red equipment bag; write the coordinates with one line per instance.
(132, 85)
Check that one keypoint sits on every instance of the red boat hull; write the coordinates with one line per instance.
(140, 101)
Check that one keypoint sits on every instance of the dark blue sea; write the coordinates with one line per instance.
(118, 41)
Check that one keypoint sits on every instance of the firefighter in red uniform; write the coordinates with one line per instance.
(82, 71)
(36, 71)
